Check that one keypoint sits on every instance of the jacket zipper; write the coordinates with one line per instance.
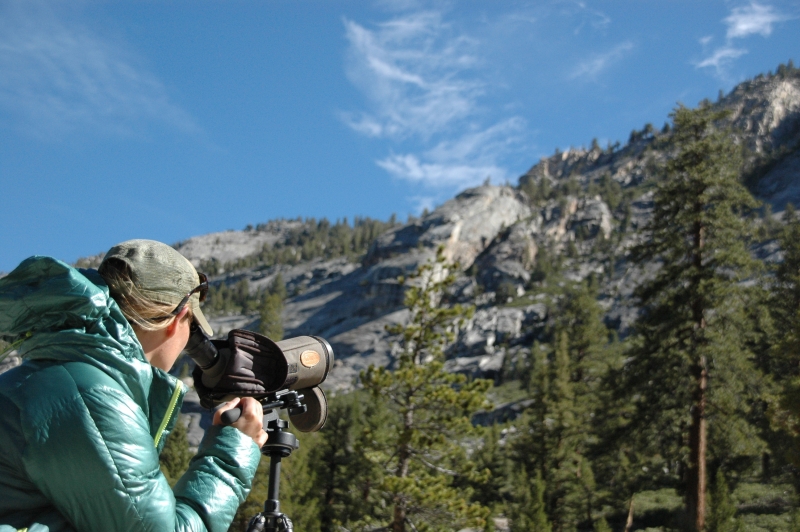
(168, 415)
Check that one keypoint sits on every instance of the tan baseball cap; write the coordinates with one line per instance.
(161, 274)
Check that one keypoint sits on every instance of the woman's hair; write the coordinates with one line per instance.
(145, 313)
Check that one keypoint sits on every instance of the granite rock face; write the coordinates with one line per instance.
(501, 238)
(465, 226)
(227, 246)
(498, 236)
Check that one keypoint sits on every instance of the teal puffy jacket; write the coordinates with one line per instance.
(83, 419)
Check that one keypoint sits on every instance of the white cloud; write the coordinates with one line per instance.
(586, 16)
(462, 161)
(422, 81)
(57, 76)
(721, 57)
(410, 167)
(415, 78)
(597, 63)
(753, 19)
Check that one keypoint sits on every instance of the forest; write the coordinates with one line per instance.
(691, 422)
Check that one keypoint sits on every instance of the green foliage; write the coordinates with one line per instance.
(224, 299)
(548, 266)
(270, 309)
(175, 456)
(271, 323)
(297, 489)
(420, 455)
(610, 191)
(494, 489)
(529, 514)
(785, 303)
(691, 345)
(345, 477)
(601, 525)
(722, 517)
(311, 239)
(553, 440)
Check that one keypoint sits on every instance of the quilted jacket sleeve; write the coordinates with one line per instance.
(95, 460)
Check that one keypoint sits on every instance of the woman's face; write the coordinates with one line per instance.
(162, 347)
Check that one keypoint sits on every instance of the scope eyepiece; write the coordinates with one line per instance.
(200, 348)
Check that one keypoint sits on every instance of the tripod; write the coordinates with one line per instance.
(280, 445)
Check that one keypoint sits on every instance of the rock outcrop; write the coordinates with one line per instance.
(502, 237)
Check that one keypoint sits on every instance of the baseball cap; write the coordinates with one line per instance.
(161, 274)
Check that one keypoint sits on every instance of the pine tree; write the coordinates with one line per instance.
(785, 302)
(529, 514)
(690, 350)
(344, 475)
(784, 356)
(176, 455)
(491, 489)
(722, 517)
(278, 287)
(271, 324)
(601, 525)
(552, 440)
(556, 435)
(430, 413)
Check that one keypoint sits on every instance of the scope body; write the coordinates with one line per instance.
(249, 364)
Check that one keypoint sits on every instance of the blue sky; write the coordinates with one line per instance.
(171, 119)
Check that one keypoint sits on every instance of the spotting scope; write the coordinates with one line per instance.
(248, 364)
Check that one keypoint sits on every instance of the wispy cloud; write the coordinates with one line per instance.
(587, 16)
(461, 161)
(422, 80)
(753, 19)
(594, 65)
(58, 76)
(415, 77)
(721, 57)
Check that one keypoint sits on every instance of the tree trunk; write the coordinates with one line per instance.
(696, 503)
(629, 521)
(404, 457)
(696, 490)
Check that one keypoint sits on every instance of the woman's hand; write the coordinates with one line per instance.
(251, 422)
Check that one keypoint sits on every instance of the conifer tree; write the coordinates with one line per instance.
(689, 366)
(429, 414)
(552, 440)
(271, 324)
(176, 455)
(529, 513)
(784, 356)
(344, 475)
(785, 303)
(556, 435)
(722, 515)
(493, 489)
(601, 525)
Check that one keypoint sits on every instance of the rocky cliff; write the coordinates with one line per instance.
(576, 211)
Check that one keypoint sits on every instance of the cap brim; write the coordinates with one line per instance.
(202, 321)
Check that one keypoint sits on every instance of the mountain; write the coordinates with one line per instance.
(576, 212)
(572, 217)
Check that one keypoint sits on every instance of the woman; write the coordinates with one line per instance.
(84, 418)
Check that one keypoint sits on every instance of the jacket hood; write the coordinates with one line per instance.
(68, 315)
